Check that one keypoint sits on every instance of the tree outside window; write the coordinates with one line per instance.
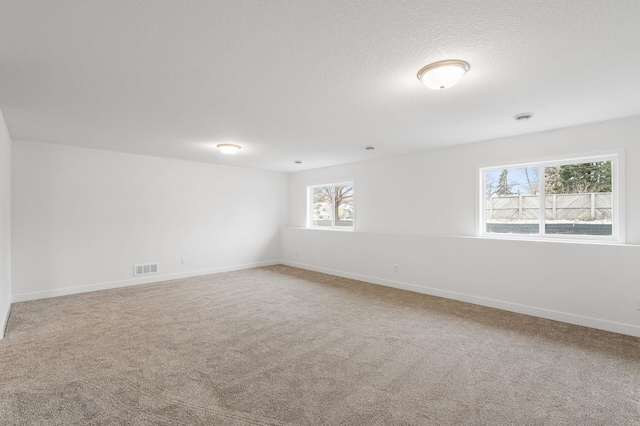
(333, 205)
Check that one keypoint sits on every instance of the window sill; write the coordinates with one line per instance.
(320, 228)
(603, 242)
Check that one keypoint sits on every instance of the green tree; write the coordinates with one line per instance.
(579, 178)
(504, 187)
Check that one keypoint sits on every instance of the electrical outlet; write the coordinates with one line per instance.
(638, 305)
(297, 254)
(396, 268)
(183, 260)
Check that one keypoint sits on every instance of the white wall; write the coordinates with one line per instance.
(84, 217)
(5, 225)
(594, 285)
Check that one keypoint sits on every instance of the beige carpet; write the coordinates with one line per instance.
(280, 345)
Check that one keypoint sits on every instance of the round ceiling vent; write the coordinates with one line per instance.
(525, 116)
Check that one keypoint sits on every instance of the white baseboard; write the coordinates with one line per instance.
(615, 327)
(4, 319)
(23, 297)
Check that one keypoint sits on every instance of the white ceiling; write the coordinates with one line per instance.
(308, 80)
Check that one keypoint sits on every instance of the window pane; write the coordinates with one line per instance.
(512, 201)
(322, 206)
(344, 201)
(579, 200)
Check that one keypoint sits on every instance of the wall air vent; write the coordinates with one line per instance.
(151, 268)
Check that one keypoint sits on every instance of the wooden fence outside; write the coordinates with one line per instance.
(582, 207)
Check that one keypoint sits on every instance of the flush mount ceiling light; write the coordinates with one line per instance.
(228, 148)
(443, 74)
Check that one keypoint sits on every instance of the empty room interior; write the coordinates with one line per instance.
(331, 212)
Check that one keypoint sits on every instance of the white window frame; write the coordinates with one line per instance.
(333, 227)
(617, 190)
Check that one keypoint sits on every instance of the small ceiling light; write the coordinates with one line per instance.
(525, 116)
(369, 147)
(229, 148)
(443, 74)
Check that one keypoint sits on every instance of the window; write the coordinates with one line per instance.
(332, 206)
(568, 199)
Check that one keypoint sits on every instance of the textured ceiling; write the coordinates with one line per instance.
(308, 80)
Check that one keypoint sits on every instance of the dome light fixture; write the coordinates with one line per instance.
(228, 148)
(443, 74)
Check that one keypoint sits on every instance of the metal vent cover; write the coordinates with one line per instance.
(149, 268)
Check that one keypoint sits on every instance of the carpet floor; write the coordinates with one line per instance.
(280, 345)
